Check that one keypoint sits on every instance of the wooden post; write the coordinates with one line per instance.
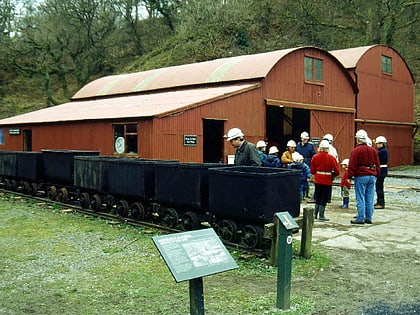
(196, 296)
(307, 226)
(274, 253)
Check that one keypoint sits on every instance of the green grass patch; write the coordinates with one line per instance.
(66, 263)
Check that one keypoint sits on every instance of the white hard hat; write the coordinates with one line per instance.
(345, 162)
(304, 135)
(273, 150)
(324, 144)
(234, 133)
(296, 156)
(380, 139)
(291, 143)
(328, 137)
(261, 144)
(361, 134)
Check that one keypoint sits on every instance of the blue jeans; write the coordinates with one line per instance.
(364, 187)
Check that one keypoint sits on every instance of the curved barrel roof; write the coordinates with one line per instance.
(240, 68)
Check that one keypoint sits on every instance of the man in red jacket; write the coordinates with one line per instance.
(324, 167)
(364, 167)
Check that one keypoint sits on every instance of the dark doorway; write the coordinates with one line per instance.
(213, 140)
(27, 140)
(286, 123)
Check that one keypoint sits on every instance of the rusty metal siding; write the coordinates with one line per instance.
(246, 111)
(400, 141)
(286, 81)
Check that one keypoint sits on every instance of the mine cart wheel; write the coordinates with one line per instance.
(63, 195)
(7, 184)
(251, 236)
(227, 230)
(95, 203)
(14, 184)
(189, 221)
(52, 193)
(122, 208)
(25, 187)
(170, 218)
(84, 200)
(137, 211)
(33, 189)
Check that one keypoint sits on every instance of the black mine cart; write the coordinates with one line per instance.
(244, 198)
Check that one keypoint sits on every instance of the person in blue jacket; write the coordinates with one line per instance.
(307, 150)
(273, 158)
(261, 147)
(305, 172)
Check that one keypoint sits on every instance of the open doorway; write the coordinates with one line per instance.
(213, 140)
(285, 123)
(27, 140)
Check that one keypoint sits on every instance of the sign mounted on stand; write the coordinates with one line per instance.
(194, 254)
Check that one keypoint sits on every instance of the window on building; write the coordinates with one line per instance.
(313, 69)
(125, 139)
(387, 64)
(1, 136)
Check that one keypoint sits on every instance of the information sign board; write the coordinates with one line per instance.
(190, 140)
(194, 254)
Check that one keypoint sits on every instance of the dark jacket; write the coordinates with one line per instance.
(307, 150)
(247, 154)
(383, 161)
(273, 161)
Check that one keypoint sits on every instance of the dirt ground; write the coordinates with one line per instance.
(375, 268)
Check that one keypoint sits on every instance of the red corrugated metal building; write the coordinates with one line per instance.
(182, 112)
(385, 102)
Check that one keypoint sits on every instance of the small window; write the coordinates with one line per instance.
(387, 64)
(1, 136)
(125, 139)
(313, 69)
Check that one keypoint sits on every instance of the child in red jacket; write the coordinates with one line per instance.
(345, 184)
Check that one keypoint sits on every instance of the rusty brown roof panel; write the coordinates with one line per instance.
(351, 56)
(246, 67)
(131, 106)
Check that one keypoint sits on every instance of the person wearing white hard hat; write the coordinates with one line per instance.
(273, 158)
(246, 153)
(307, 150)
(345, 184)
(383, 155)
(286, 157)
(324, 167)
(305, 172)
(333, 151)
(364, 168)
(261, 147)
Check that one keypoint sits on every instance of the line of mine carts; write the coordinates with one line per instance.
(239, 202)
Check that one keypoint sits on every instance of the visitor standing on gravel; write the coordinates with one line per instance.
(324, 167)
(364, 167)
(383, 160)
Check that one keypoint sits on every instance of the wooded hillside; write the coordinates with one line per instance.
(49, 49)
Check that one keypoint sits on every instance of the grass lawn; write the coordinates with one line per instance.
(58, 262)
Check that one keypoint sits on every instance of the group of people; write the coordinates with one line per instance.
(367, 166)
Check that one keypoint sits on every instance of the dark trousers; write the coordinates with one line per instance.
(322, 193)
(380, 196)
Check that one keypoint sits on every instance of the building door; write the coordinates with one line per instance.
(284, 124)
(213, 140)
(27, 140)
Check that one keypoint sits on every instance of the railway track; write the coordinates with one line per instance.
(73, 206)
